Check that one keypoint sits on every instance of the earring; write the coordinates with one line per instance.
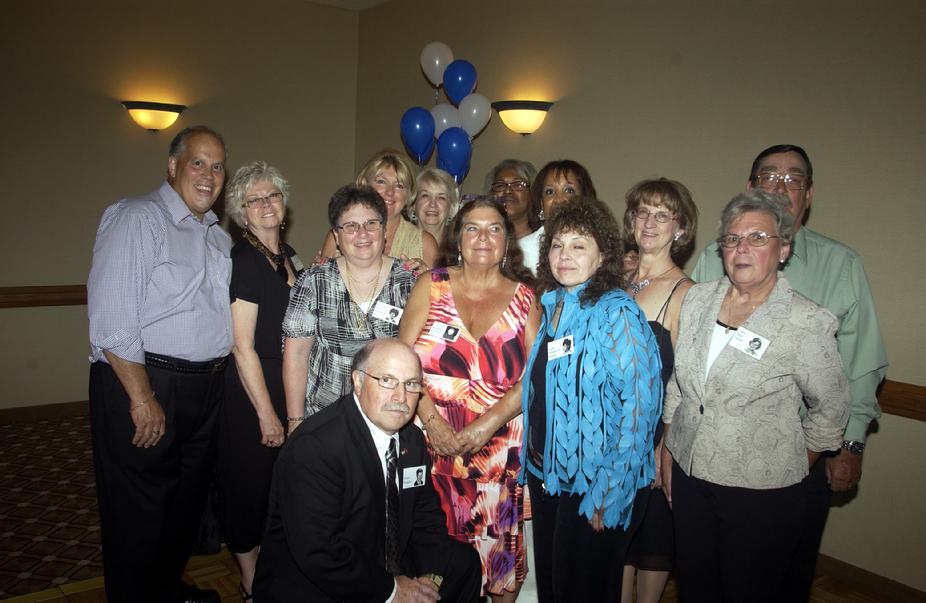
(459, 258)
(283, 225)
(413, 218)
(540, 215)
(505, 261)
(678, 236)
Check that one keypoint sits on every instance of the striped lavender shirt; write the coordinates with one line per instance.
(159, 281)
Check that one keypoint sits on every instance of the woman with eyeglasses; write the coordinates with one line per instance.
(393, 177)
(341, 305)
(436, 203)
(510, 183)
(253, 413)
(662, 220)
(471, 324)
(757, 395)
(557, 181)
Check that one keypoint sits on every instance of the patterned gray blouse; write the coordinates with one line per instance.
(321, 307)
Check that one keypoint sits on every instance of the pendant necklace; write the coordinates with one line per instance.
(636, 287)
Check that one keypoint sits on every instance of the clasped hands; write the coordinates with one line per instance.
(448, 442)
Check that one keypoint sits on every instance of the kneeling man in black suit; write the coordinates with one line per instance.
(347, 520)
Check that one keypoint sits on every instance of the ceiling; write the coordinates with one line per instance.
(357, 5)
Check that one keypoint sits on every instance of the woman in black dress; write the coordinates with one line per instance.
(251, 421)
(662, 219)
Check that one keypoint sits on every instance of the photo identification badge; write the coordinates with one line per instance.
(558, 348)
(749, 343)
(413, 477)
(444, 331)
(384, 311)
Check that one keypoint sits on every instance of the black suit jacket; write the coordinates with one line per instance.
(325, 536)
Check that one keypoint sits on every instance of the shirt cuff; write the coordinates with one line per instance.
(395, 587)
(856, 429)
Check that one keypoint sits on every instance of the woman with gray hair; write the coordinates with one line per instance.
(436, 203)
(510, 182)
(757, 395)
(251, 419)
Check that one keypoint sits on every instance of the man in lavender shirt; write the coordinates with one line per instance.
(160, 334)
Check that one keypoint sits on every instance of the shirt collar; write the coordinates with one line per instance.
(178, 208)
(799, 245)
(380, 438)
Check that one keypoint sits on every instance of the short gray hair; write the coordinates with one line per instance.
(524, 169)
(777, 206)
(246, 177)
(437, 176)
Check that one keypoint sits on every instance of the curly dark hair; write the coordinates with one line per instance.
(350, 195)
(572, 170)
(590, 217)
(512, 268)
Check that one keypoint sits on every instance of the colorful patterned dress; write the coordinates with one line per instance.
(479, 492)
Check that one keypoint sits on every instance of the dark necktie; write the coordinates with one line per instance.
(392, 512)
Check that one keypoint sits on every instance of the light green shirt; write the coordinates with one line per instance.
(831, 274)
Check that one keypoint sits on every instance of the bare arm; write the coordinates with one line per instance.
(441, 435)
(476, 434)
(295, 377)
(146, 412)
(244, 323)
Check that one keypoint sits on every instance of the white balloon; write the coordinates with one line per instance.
(475, 111)
(434, 60)
(445, 116)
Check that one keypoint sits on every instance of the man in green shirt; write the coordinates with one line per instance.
(831, 274)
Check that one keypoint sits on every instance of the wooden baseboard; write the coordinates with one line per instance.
(889, 590)
(43, 412)
(33, 297)
(903, 399)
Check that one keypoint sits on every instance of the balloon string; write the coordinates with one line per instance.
(436, 96)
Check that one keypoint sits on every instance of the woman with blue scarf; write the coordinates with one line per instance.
(592, 397)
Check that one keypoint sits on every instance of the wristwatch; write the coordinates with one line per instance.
(853, 447)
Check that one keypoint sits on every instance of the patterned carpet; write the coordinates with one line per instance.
(49, 526)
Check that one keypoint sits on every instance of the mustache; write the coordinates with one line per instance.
(398, 407)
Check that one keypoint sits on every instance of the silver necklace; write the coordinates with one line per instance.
(636, 287)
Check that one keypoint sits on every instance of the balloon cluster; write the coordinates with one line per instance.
(452, 125)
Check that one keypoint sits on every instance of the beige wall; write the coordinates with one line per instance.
(277, 79)
(687, 90)
(693, 91)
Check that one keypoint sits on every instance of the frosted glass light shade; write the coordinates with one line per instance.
(153, 116)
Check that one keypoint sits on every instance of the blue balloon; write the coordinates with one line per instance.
(459, 80)
(417, 128)
(454, 151)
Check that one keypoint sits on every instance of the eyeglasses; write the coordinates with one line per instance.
(258, 201)
(353, 228)
(660, 216)
(754, 239)
(517, 186)
(412, 386)
(769, 181)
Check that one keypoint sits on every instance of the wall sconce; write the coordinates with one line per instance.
(153, 116)
(522, 116)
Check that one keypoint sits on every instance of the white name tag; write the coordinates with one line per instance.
(560, 347)
(749, 343)
(384, 311)
(413, 477)
(297, 263)
(444, 331)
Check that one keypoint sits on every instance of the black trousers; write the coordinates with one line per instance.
(461, 573)
(733, 544)
(573, 562)
(151, 500)
(817, 495)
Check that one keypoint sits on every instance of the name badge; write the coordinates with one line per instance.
(558, 348)
(444, 331)
(413, 477)
(384, 311)
(297, 263)
(749, 343)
